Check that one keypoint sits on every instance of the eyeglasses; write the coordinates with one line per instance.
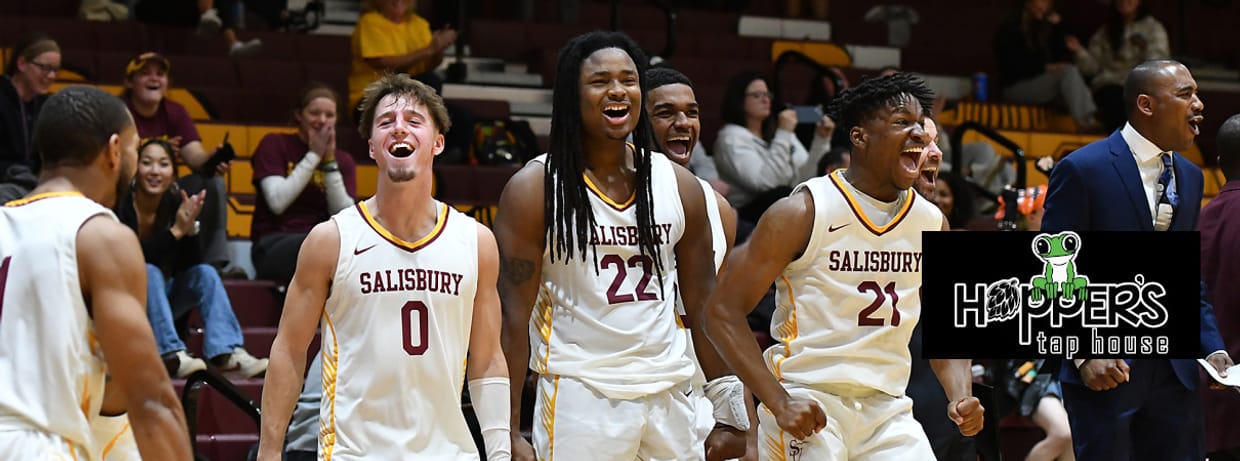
(47, 69)
(760, 94)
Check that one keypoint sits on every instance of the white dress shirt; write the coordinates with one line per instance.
(1148, 164)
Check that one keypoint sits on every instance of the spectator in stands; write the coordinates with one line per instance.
(1035, 66)
(204, 15)
(760, 161)
(145, 93)
(1130, 37)
(301, 179)
(391, 37)
(1220, 267)
(164, 217)
(954, 198)
(24, 87)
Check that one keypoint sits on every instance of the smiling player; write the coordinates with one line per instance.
(405, 288)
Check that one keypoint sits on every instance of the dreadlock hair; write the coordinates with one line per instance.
(569, 217)
(857, 104)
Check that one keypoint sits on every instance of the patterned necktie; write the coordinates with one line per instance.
(1168, 200)
(1166, 183)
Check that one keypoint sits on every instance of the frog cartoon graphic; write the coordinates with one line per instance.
(1059, 278)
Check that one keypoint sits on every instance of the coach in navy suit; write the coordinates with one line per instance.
(1146, 408)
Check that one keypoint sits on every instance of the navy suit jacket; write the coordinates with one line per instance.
(1098, 188)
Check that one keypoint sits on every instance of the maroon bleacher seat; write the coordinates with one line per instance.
(483, 109)
(323, 48)
(110, 66)
(79, 61)
(181, 40)
(335, 74)
(455, 183)
(67, 32)
(349, 139)
(276, 45)
(490, 181)
(271, 75)
(498, 39)
(220, 103)
(126, 37)
(196, 71)
(49, 8)
(272, 106)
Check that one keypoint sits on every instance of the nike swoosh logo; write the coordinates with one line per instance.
(835, 228)
(363, 250)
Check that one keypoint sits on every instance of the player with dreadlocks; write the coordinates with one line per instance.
(846, 250)
(595, 237)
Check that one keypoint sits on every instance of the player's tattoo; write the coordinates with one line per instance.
(516, 270)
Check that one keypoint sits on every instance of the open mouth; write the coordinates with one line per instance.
(153, 183)
(929, 175)
(1194, 123)
(401, 150)
(678, 146)
(616, 113)
(910, 158)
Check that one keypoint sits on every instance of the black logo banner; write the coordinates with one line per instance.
(990, 295)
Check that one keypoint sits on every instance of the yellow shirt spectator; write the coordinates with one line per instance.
(377, 36)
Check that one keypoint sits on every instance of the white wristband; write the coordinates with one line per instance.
(490, 398)
(727, 395)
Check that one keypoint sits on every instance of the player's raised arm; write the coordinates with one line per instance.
(303, 307)
(113, 280)
(489, 388)
(781, 236)
(520, 237)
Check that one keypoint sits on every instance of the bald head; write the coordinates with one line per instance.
(1144, 79)
(1229, 148)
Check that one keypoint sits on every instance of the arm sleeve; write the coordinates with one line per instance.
(280, 191)
(754, 167)
(337, 197)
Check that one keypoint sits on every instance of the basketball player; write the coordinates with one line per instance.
(73, 294)
(845, 250)
(405, 288)
(596, 236)
(673, 110)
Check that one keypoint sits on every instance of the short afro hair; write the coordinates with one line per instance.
(859, 103)
(660, 76)
(75, 125)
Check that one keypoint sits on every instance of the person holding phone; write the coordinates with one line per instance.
(761, 160)
(147, 79)
(1130, 36)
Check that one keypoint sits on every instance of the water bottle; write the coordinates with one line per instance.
(979, 87)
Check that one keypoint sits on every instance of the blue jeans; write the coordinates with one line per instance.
(199, 286)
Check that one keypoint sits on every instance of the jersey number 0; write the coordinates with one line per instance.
(406, 322)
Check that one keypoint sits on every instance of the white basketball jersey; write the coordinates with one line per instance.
(845, 310)
(51, 367)
(719, 244)
(395, 335)
(613, 325)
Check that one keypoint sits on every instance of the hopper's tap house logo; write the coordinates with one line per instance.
(1120, 309)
